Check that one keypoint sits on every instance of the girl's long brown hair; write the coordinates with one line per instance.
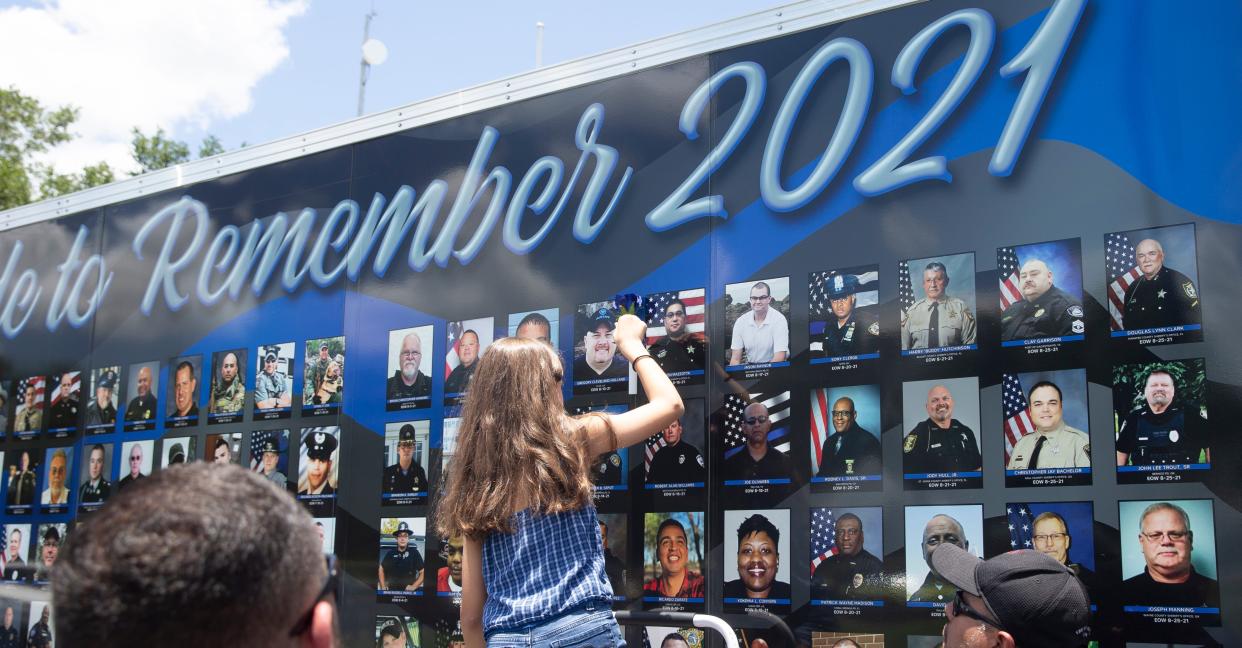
(515, 444)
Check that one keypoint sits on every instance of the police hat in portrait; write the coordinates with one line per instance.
(320, 445)
(406, 434)
(841, 285)
(402, 527)
(107, 379)
(269, 445)
(176, 454)
(51, 536)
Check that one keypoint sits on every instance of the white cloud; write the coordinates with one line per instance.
(144, 63)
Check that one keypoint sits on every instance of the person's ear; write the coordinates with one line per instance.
(1004, 640)
(322, 632)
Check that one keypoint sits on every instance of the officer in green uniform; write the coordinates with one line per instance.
(941, 443)
(228, 391)
(937, 320)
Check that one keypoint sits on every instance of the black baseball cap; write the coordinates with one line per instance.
(1034, 598)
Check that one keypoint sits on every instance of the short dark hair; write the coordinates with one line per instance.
(673, 636)
(534, 318)
(756, 524)
(1044, 383)
(98, 446)
(845, 643)
(676, 300)
(850, 516)
(127, 573)
(222, 440)
(392, 630)
(668, 523)
(184, 364)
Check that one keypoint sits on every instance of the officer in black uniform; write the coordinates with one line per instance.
(1162, 296)
(1162, 431)
(941, 443)
(405, 476)
(676, 462)
(468, 352)
(9, 636)
(97, 488)
(852, 572)
(142, 406)
(849, 450)
(319, 448)
(678, 350)
(402, 567)
(1044, 310)
(597, 344)
(606, 471)
(408, 381)
(101, 411)
(851, 331)
(64, 413)
(41, 633)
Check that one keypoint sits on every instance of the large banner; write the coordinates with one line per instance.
(956, 272)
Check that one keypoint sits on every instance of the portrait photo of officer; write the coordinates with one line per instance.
(467, 342)
(50, 537)
(941, 417)
(138, 457)
(542, 325)
(673, 556)
(223, 448)
(56, 489)
(757, 539)
(448, 577)
(1153, 278)
(1046, 422)
(595, 351)
(64, 410)
(16, 541)
(1162, 417)
(409, 368)
(28, 415)
(96, 475)
(317, 465)
(273, 385)
(757, 456)
(269, 455)
(406, 450)
(323, 378)
(756, 316)
(396, 632)
(612, 532)
(1041, 290)
(845, 431)
(675, 331)
(1168, 553)
(179, 450)
(674, 455)
(40, 634)
(183, 404)
(13, 620)
(21, 477)
(401, 564)
(142, 387)
(101, 410)
(846, 545)
(228, 384)
(927, 527)
(844, 320)
(609, 470)
(1061, 530)
(938, 301)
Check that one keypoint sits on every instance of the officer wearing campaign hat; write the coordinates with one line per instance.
(402, 567)
(599, 359)
(406, 476)
(319, 448)
(848, 331)
(269, 452)
(101, 411)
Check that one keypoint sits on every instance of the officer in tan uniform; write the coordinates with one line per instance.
(937, 320)
(1053, 444)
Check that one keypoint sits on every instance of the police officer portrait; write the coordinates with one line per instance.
(1162, 421)
(28, 412)
(673, 550)
(317, 463)
(141, 386)
(396, 632)
(178, 450)
(22, 474)
(927, 527)
(941, 446)
(323, 377)
(64, 410)
(57, 489)
(1153, 284)
(597, 367)
(95, 481)
(610, 471)
(223, 448)
(1065, 532)
(756, 325)
(847, 558)
(844, 314)
(406, 450)
(1041, 293)
(674, 459)
(937, 297)
(676, 334)
(402, 551)
(269, 456)
(408, 383)
(467, 342)
(1046, 429)
(16, 566)
(40, 633)
(183, 391)
(543, 325)
(101, 410)
(757, 442)
(49, 538)
(613, 531)
(13, 620)
(137, 458)
(1168, 559)
(757, 559)
(226, 400)
(845, 438)
(273, 382)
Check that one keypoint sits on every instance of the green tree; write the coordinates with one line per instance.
(157, 151)
(211, 146)
(27, 129)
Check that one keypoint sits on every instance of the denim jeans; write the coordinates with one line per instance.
(592, 626)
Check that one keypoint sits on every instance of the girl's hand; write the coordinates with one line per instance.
(630, 336)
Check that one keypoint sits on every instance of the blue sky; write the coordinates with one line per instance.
(257, 70)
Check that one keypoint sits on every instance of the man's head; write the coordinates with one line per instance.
(95, 461)
(846, 643)
(228, 368)
(392, 637)
(405, 446)
(996, 600)
(50, 547)
(756, 424)
(674, 640)
(671, 548)
(1035, 279)
(411, 356)
(843, 414)
(222, 452)
(144, 381)
(453, 552)
(402, 535)
(66, 384)
(672, 433)
(1150, 257)
(1159, 390)
(323, 351)
(1167, 541)
(758, 555)
(319, 448)
(264, 569)
(598, 343)
(675, 319)
(269, 363)
(935, 280)
(841, 290)
(1052, 536)
(1044, 405)
(135, 460)
(15, 543)
(30, 395)
(940, 405)
(271, 456)
(186, 385)
(760, 298)
(58, 470)
(468, 348)
(942, 529)
(849, 535)
(24, 460)
(535, 327)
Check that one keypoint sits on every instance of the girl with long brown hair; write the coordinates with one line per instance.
(518, 490)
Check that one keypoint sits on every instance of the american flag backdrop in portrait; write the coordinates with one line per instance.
(821, 421)
(778, 414)
(654, 443)
(74, 387)
(867, 295)
(1017, 420)
(39, 385)
(1122, 272)
(823, 536)
(1021, 526)
(454, 338)
(1009, 270)
(257, 439)
(657, 303)
(905, 290)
